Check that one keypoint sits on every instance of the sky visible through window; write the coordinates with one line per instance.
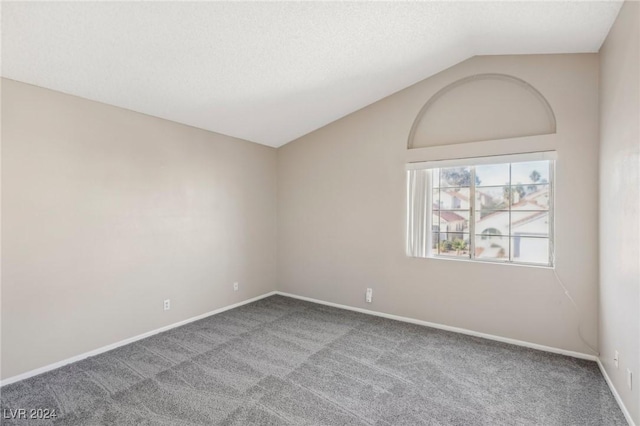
(498, 174)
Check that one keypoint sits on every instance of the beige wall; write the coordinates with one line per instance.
(620, 203)
(341, 213)
(107, 212)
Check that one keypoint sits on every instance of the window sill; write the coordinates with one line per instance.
(486, 262)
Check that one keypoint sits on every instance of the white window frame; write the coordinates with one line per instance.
(420, 235)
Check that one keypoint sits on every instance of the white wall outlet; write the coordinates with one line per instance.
(369, 295)
(616, 357)
(167, 304)
(235, 286)
(629, 379)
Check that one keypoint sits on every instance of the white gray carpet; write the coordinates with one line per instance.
(284, 361)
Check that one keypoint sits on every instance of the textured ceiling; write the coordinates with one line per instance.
(271, 72)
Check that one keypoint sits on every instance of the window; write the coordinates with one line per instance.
(496, 209)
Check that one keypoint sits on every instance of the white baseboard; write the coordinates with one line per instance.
(449, 328)
(112, 346)
(616, 395)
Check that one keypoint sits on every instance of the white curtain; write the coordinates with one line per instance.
(418, 212)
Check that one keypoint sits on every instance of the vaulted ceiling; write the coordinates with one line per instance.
(271, 72)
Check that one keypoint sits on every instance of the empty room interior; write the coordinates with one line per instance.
(320, 213)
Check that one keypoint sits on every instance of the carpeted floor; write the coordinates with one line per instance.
(284, 361)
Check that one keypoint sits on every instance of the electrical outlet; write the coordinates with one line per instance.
(616, 357)
(369, 295)
(235, 286)
(629, 379)
(167, 304)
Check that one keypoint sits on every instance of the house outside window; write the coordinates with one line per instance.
(494, 209)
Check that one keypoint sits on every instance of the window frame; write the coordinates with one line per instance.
(472, 163)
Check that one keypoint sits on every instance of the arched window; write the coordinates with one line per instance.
(490, 232)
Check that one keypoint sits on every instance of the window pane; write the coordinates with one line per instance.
(454, 198)
(435, 198)
(492, 175)
(455, 176)
(456, 245)
(530, 173)
(435, 178)
(492, 198)
(532, 197)
(515, 194)
(492, 222)
(451, 221)
(496, 248)
(435, 223)
(434, 241)
(530, 250)
(532, 223)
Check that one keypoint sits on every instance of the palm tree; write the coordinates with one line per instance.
(459, 245)
(535, 177)
(511, 191)
(457, 176)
